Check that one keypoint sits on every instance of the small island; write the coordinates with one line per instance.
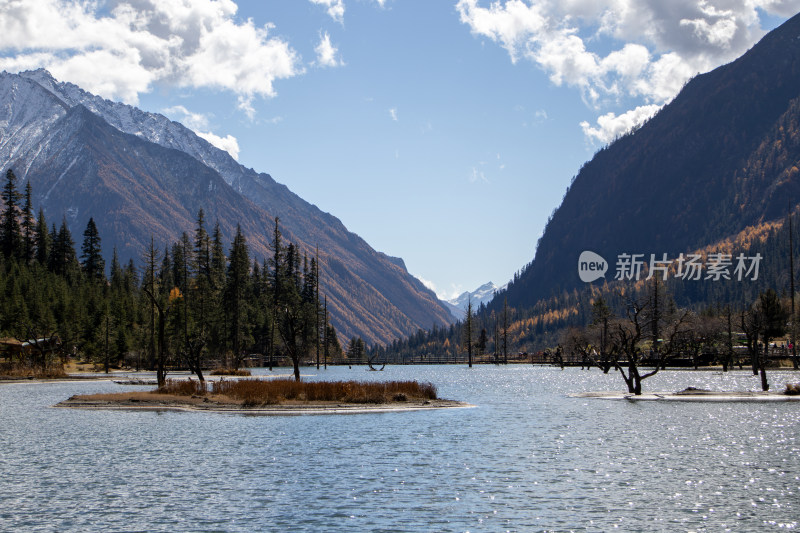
(272, 397)
(692, 394)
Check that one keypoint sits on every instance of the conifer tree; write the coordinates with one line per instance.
(28, 227)
(117, 274)
(10, 236)
(236, 293)
(43, 241)
(63, 260)
(468, 331)
(91, 255)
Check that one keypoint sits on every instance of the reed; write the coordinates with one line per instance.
(265, 392)
(221, 371)
(32, 372)
(182, 387)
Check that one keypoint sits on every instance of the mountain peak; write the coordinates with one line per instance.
(140, 174)
(482, 294)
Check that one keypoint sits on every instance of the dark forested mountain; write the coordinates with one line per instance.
(722, 157)
(140, 175)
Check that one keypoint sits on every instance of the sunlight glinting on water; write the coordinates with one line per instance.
(527, 457)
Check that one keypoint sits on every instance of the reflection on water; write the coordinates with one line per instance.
(528, 457)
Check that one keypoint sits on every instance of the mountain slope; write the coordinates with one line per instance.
(82, 163)
(702, 169)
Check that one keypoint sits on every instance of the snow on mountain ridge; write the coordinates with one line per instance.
(483, 294)
(152, 127)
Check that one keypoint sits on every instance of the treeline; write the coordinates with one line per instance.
(653, 331)
(536, 327)
(184, 306)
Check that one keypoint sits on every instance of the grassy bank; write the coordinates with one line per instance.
(255, 392)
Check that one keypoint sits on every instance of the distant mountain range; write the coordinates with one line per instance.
(481, 295)
(139, 175)
(720, 160)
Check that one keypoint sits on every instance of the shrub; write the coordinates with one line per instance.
(230, 372)
(252, 392)
(181, 387)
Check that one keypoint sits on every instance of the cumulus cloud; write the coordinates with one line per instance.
(326, 52)
(193, 121)
(393, 113)
(428, 284)
(335, 8)
(611, 126)
(120, 49)
(662, 44)
(199, 123)
(454, 292)
(229, 143)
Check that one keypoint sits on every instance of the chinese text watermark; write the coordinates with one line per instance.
(693, 267)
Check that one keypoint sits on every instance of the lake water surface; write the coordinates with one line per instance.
(526, 458)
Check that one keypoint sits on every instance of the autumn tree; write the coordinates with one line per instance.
(626, 339)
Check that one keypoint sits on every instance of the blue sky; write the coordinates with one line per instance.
(442, 131)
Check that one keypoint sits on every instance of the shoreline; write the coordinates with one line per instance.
(162, 402)
(691, 396)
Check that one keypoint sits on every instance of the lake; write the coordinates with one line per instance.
(527, 458)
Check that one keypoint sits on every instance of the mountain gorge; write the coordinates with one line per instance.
(140, 175)
(722, 157)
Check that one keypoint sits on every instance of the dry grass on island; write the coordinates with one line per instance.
(274, 396)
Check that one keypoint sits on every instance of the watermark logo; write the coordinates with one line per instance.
(690, 267)
(591, 266)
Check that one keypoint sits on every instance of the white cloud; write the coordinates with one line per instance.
(121, 50)
(429, 284)
(335, 8)
(393, 113)
(326, 52)
(444, 295)
(477, 175)
(229, 143)
(611, 126)
(193, 121)
(199, 123)
(663, 44)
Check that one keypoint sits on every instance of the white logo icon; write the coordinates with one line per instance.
(591, 266)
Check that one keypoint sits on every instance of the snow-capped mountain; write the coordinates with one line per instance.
(152, 127)
(140, 174)
(483, 294)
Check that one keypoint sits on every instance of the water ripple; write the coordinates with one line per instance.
(528, 457)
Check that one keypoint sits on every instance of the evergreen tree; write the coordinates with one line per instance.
(91, 255)
(10, 236)
(218, 261)
(218, 318)
(202, 247)
(43, 240)
(63, 260)
(468, 331)
(237, 281)
(117, 274)
(28, 227)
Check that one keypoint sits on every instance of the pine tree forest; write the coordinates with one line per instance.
(188, 306)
